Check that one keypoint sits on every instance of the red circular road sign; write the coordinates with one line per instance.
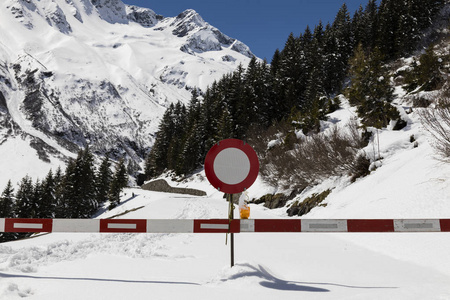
(231, 166)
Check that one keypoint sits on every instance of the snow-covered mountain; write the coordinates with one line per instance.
(98, 73)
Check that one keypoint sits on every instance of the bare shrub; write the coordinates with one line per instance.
(313, 158)
(437, 122)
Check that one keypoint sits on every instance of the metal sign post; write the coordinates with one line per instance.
(231, 217)
(231, 166)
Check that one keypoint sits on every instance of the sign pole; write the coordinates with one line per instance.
(231, 217)
(231, 166)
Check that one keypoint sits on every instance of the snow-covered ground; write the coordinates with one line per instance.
(196, 266)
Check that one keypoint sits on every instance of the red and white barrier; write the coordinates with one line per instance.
(224, 225)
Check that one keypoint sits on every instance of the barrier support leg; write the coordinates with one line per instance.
(231, 217)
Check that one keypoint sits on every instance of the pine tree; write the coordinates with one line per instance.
(69, 202)
(275, 63)
(103, 180)
(290, 84)
(87, 183)
(191, 154)
(331, 82)
(370, 90)
(37, 199)
(179, 119)
(208, 123)
(341, 32)
(7, 207)
(47, 199)
(60, 208)
(408, 30)
(358, 26)
(426, 74)
(370, 24)
(315, 87)
(78, 199)
(119, 181)
(157, 161)
(390, 13)
(7, 201)
(25, 206)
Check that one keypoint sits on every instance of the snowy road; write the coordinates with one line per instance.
(196, 266)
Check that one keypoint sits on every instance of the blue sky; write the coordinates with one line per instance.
(263, 25)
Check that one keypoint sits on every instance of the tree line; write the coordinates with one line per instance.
(76, 193)
(300, 84)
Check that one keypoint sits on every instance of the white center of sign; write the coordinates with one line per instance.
(231, 166)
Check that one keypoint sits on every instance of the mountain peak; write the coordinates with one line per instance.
(144, 16)
(186, 22)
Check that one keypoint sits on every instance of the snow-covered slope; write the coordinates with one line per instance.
(99, 72)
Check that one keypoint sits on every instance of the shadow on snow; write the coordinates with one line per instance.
(5, 275)
(272, 282)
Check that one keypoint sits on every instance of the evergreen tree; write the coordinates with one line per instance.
(425, 10)
(315, 87)
(7, 207)
(331, 63)
(191, 154)
(370, 90)
(275, 63)
(341, 33)
(68, 206)
(7, 201)
(194, 109)
(390, 13)
(157, 161)
(370, 24)
(358, 26)
(37, 199)
(179, 119)
(408, 29)
(208, 124)
(47, 205)
(119, 181)
(25, 206)
(290, 85)
(60, 209)
(88, 183)
(79, 187)
(425, 75)
(103, 180)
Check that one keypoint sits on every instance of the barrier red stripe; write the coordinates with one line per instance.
(223, 225)
(123, 225)
(445, 225)
(276, 225)
(28, 225)
(217, 226)
(370, 225)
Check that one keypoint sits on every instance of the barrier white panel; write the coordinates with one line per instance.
(311, 225)
(28, 225)
(417, 225)
(170, 226)
(2, 225)
(214, 226)
(247, 225)
(121, 226)
(76, 225)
